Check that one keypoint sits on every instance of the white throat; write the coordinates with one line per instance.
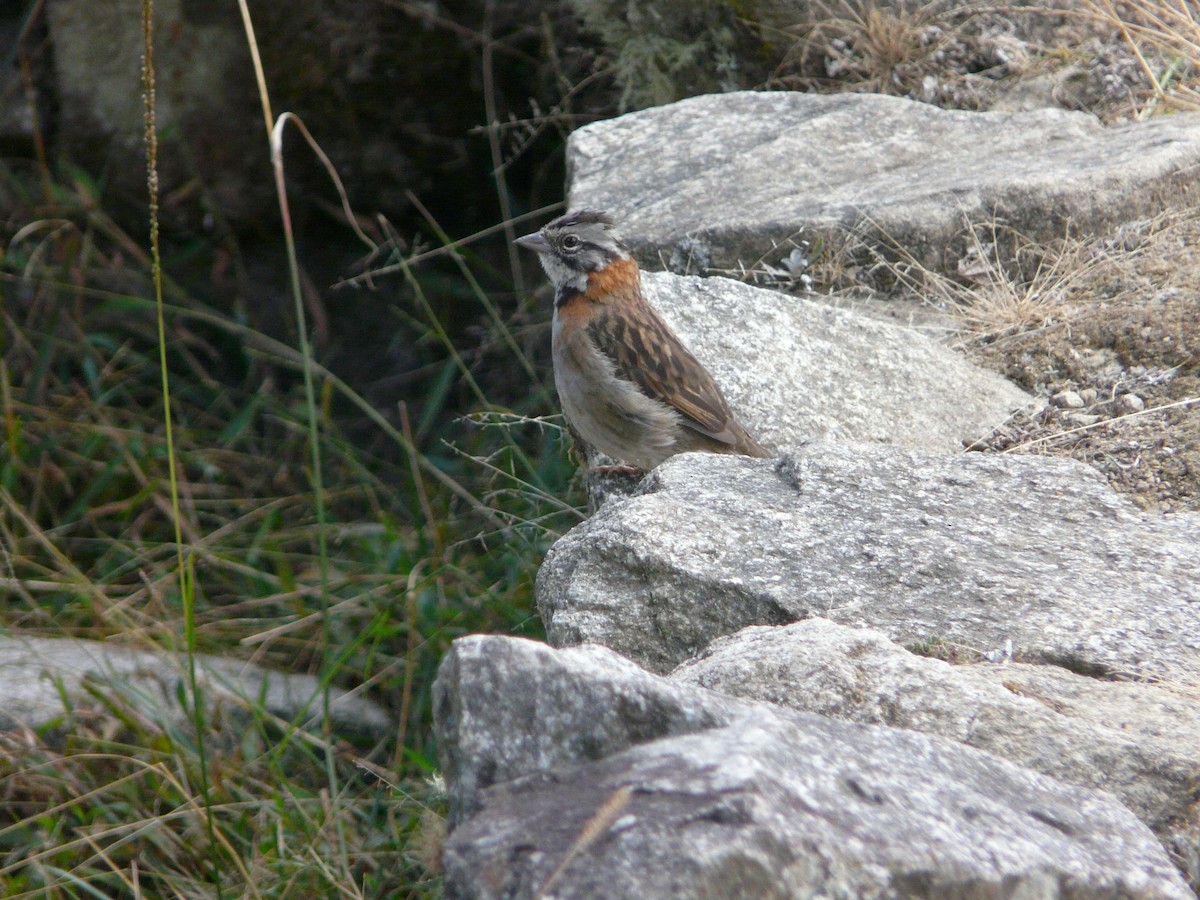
(561, 275)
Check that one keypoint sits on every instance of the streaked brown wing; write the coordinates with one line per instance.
(646, 352)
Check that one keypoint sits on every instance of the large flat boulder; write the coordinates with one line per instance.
(795, 370)
(987, 552)
(747, 174)
(40, 678)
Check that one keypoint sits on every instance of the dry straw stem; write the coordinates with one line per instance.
(184, 569)
(541, 498)
(444, 249)
(593, 828)
(493, 136)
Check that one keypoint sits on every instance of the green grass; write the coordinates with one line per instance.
(435, 532)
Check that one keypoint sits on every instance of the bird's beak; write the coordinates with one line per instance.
(534, 242)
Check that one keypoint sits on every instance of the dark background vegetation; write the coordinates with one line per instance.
(434, 367)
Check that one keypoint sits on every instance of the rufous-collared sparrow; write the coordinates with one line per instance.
(627, 384)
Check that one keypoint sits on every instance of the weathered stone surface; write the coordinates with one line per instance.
(16, 110)
(978, 550)
(330, 62)
(36, 673)
(759, 802)
(795, 370)
(749, 173)
(588, 703)
(204, 97)
(1140, 742)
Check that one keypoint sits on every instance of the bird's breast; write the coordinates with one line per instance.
(609, 412)
(571, 314)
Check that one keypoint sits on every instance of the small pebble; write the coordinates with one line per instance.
(1067, 400)
(1078, 418)
(1089, 396)
(1130, 403)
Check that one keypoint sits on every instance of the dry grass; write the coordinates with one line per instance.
(1133, 330)
(1006, 282)
(1165, 37)
(877, 48)
(905, 49)
(1114, 319)
(109, 800)
(1118, 59)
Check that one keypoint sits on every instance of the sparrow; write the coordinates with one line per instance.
(628, 386)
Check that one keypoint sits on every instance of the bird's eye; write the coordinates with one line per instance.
(570, 242)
